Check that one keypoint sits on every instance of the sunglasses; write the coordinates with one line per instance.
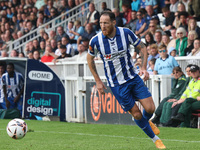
(139, 15)
(151, 26)
(162, 51)
(180, 33)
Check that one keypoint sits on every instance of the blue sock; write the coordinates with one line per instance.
(147, 115)
(144, 125)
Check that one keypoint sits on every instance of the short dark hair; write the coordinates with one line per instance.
(11, 64)
(108, 13)
(62, 47)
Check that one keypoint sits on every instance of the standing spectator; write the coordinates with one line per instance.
(181, 41)
(93, 17)
(118, 18)
(165, 64)
(61, 33)
(13, 88)
(48, 55)
(169, 18)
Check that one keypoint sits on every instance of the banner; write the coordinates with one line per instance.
(104, 108)
(44, 93)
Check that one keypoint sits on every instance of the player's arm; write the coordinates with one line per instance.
(100, 85)
(5, 96)
(143, 70)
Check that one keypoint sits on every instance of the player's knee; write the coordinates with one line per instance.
(150, 110)
(137, 115)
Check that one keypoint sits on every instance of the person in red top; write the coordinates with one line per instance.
(127, 12)
(48, 56)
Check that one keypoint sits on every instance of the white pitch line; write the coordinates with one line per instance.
(113, 136)
(116, 136)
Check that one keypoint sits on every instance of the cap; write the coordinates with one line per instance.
(62, 46)
(194, 68)
(171, 49)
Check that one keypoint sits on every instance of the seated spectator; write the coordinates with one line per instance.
(165, 39)
(21, 55)
(48, 8)
(4, 53)
(69, 47)
(118, 17)
(183, 19)
(151, 14)
(172, 43)
(53, 45)
(13, 88)
(169, 18)
(70, 29)
(149, 39)
(64, 54)
(36, 55)
(165, 64)
(58, 52)
(138, 64)
(61, 33)
(191, 96)
(172, 51)
(196, 50)
(48, 56)
(52, 35)
(178, 82)
(53, 15)
(79, 29)
(151, 66)
(135, 5)
(141, 23)
(104, 7)
(192, 25)
(153, 53)
(127, 12)
(158, 37)
(35, 45)
(42, 48)
(181, 41)
(154, 4)
(192, 35)
(132, 24)
(14, 53)
(82, 54)
(93, 17)
(174, 5)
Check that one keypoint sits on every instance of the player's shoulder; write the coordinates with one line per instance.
(95, 37)
(19, 74)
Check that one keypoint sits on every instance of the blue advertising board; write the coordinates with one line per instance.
(44, 92)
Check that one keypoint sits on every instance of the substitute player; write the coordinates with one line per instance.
(113, 45)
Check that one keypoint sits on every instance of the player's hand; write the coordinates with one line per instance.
(16, 99)
(145, 74)
(174, 104)
(100, 87)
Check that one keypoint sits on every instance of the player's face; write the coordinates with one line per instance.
(107, 26)
(1, 70)
(10, 69)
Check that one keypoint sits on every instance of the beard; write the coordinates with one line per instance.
(108, 31)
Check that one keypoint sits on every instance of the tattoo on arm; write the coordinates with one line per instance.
(141, 45)
(143, 53)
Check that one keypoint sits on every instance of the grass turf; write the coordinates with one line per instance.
(79, 136)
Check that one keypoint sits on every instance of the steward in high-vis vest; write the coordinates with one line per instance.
(190, 97)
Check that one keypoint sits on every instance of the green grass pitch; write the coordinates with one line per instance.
(79, 136)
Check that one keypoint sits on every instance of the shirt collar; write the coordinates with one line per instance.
(117, 33)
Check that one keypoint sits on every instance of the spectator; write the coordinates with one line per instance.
(48, 8)
(64, 53)
(36, 55)
(14, 53)
(58, 52)
(172, 51)
(196, 50)
(152, 3)
(169, 18)
(141, 24)
(52, 35)
(63, 6)
(178, 83)
(127, 12)
(118, 18)
(165, 39)
(42, 48)
(4, 53)
(35, 45)
(48, 56)
(191, 96)
(83, 7)
(132, 24)
(13, 88)
(53, 15)
(149, 39)
(172, 43)
(70, 29)
(153, 53)
(69, 50)
(60, 34)
(21, 55)
(70, 5)
(181, 41)
(192, 35)
(158, 37)
(192, 25)
(104, 7)
(151, 66)
(88, 34)
(174, 6)
(135, 5)
(53, 45)
(2, 100)
(93, 17)
(151, 14)
(79, 29)
(165, 64)
(151, 29)
(183, 19)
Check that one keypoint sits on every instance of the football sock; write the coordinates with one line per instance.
(144, 125)
(147, 115)
(155, 138)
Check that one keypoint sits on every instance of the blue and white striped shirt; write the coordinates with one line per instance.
(1, 92)
(14, 84)
(115, 53)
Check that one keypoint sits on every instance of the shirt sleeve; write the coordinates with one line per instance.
(133, 39)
